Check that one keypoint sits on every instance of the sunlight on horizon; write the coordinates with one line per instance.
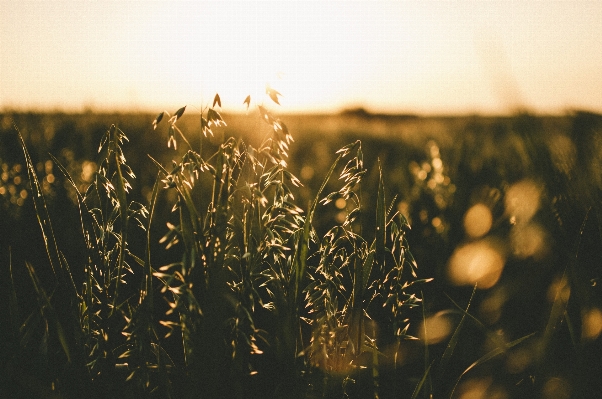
(385, 56)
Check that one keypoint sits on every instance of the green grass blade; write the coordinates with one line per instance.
(148, 286)
(493, 336)
(422, 381)
(29, 327)
(123, 210)
(453, 341)
(380, 219)
(563, 294)
(159, 166)
(43, 216)
(488, 356)
(303, 245)
(190, 218)
(69, 274)
(366, 270)
(427, 371)
(12, 302)
(88, 222)
(375, 372)
(195, 217)
(49, 311)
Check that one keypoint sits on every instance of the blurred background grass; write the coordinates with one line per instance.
(510, 203)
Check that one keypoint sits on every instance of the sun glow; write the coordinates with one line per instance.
(405, 56)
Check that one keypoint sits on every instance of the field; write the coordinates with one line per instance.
(262, 255)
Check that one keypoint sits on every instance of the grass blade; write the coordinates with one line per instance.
(380, 219)
(49, 312)
(488, 356)
(453, 341)
(303, 244)
(12, 302)
(148, 287)
(86, 219)
(123, 210)
(422, 381)
(366, 270)
(43, 216)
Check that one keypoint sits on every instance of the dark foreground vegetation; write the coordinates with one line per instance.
(205, 260)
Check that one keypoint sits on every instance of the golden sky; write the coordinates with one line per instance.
(389, 56)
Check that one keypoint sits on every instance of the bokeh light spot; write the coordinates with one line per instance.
(307, 172)
(48, 165)
(528, 240)
(478, 221)
(404, 208)
(559, 290)
(435, 329)
(424, 216)
(88, 170)
(518, 360)
(434, 149)
(491, 307)
(481, 388)
(438, 225)
(478, 263)
(556, 388)
(522, 200)
(592, 324)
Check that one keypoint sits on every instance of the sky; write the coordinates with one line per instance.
(427, 57)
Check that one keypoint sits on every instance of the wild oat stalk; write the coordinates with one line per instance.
(238, 254)
(247, 281)
(351, 277)
(106, 317)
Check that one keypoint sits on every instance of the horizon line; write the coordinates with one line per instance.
(351, 110)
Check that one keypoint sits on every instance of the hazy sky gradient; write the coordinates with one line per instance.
(398, 56)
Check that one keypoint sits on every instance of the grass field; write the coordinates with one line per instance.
(351, 255)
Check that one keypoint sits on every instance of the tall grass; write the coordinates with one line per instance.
(255, 304)
(252, 289)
